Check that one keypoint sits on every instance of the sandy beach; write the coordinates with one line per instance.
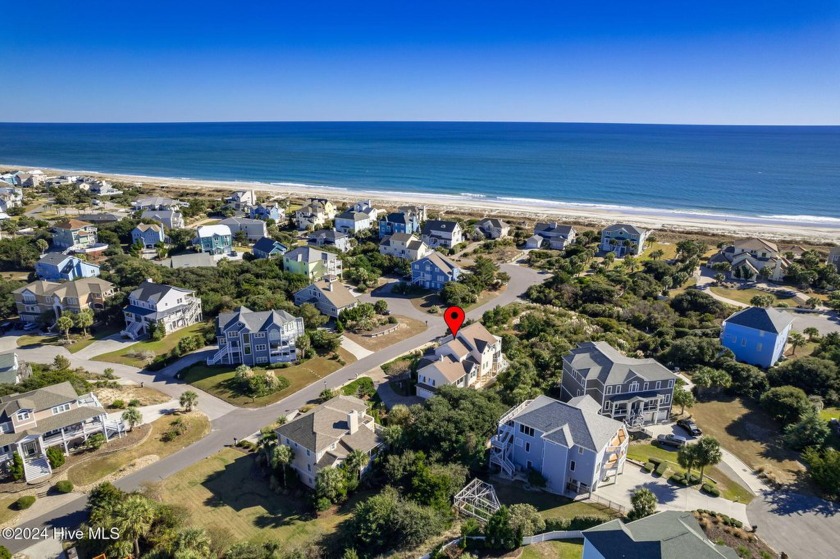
(787, 228)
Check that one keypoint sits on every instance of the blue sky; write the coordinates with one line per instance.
(670, 61)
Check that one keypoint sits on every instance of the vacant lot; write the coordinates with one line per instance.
(750, 434)
(408, 327)
(426, 302)
(744, 295)
(549, 505)
(147, 396)
(217, 380)
(229, 492)
(572, 549)
(126, 356)
(6, 511)
(197, 426)
(729, 488)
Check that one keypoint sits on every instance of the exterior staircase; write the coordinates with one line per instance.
(132, 330)
(36, 469)
(216, 357)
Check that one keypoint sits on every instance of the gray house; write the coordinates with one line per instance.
(557, 236)
(256, 338)
(636, 391)
(329, 238)
(254, 229)
(148, 234)
(171, 219)
(570, 444)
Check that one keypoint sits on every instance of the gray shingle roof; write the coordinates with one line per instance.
(254, 321)
(326, 424)
(553, 229)
(39, 399)
(570, 424)
(440, 261)
(439, 226)
(599, 360)
(309, 254)
(54, 258)
(152, 292)
(665, 535)
(627, 227)
(758, 318)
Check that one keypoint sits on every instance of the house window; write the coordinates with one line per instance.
(645, 386)
(529, 431)
(634, 387)
(61, 409)
(527, 447)
(670, 383)
(572, 465)
(609, 389)
(309, 467)
(658, 384)
(667, 398)
(261, 347)
(758, 347)
(608, 405)
(618, 389)
(307, 452)
(529, 465)
(744, 342)
(23, 415)
(580, 450)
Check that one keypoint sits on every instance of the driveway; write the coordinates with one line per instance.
(114, 342)
(803, 527)
(671, 497)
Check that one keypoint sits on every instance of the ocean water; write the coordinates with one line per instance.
(784, 173)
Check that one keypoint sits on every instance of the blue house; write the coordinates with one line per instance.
(267, 211)
(268, 247)
(404, 221)
(434, 271)
(756, 335)
(148, 234)
(62, 267)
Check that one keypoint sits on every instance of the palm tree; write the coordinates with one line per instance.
(192, 542)
(281, 457)
(133, 417)
(687, 457)
(812, 333)
(132, 516)
(188, 400)
(42, 245)
(796, 340)
(65, 323)
(356, 461)
(84, 318)
(707, 453)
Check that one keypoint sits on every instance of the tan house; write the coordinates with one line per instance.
(71, 296)
(314, 214)
(329, 295)
(325, 436)
(403, 245)
(493, 228)
(472, 358)
(32, 422)
(749, 257)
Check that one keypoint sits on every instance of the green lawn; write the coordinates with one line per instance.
(101, 334)
(729, 489)
(228, 492)
(548, 504)
(6, 510)
(744, 295)
(217, 380)
(830, 413)
(159, 347)
(78, 342)
(669, 250)
(572, 549)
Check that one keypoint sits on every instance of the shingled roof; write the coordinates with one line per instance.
(599, 360)
(758, 318)
(574, 423)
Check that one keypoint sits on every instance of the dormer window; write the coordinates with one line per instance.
(61, 409)
(23, 415)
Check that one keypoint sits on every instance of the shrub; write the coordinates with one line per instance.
(248, 445)
(649, 467)
(25, 502)
(176, 429)
(118, 404)
(585, 522)
(55, 457)
(535, 478)
(64, 486)
(693, 479)
(655, 461)
(95, 441)
(710, 489)
(134, 403)
(661, 469)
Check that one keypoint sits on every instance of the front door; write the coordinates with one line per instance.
(30, 449)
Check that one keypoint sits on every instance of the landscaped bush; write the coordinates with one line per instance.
(55, 457)
(678, 478)
(711, 490)
(649, 467)
(693, 479)
(661, 469)
(248, 445)
(95, 441)
(135, 403)
(535, 478)
(655, 461)
(361, 387)
(64, 486)
(585, 522)
(25, 502)
(176, 429)
(118, 404)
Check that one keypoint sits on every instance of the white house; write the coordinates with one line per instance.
(329, 295)
(158, 304)
(437, 233)
(493, 228)
(570, 444)
(405, 246)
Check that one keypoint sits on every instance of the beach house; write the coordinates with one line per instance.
(214, 239)
(757, 335)
(256, 338)
(312, 263)
(242, 199)
(753, 257)
(326, 435)
(404, 220)
(157, 203)
(623, 239)
(253, 229)
(556, 236)
(162, 306)
(329, 296)
(834, 257)
(12, 369)
(268, 248)
(405, 246)
(570, 444)
(55, 266)
(636, 391)
(493, 228)
(359, 217)
(434, 271)
(314, 214)
(32, 422)
(10, 197)
(39, 297)
(268, 210)
(329, 238)
(437, 233)
(471, 358)
(147, 234)
(169, 218)
(74, 234)
(664, 535)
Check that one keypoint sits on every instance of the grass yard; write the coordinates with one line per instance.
(572, 549)
(749, 433)
(744, 295)
(548, 504)
(217, 380)
(729, 488)
(7, 513)
(78, 342)
(408, 328)
(92, 471)
(159, 347)
(228, 492)
(101, 334)
(830, 413)
(669, 250)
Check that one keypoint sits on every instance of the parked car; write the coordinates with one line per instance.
(690, 426)
(671, 440)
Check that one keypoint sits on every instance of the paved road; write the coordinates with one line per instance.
(803, 527)
(240, 422)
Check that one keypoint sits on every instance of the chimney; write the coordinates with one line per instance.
(353, 421)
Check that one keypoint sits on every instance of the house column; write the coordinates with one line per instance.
(102, 419)
(64, 441)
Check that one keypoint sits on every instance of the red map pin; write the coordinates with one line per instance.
(454, 317)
